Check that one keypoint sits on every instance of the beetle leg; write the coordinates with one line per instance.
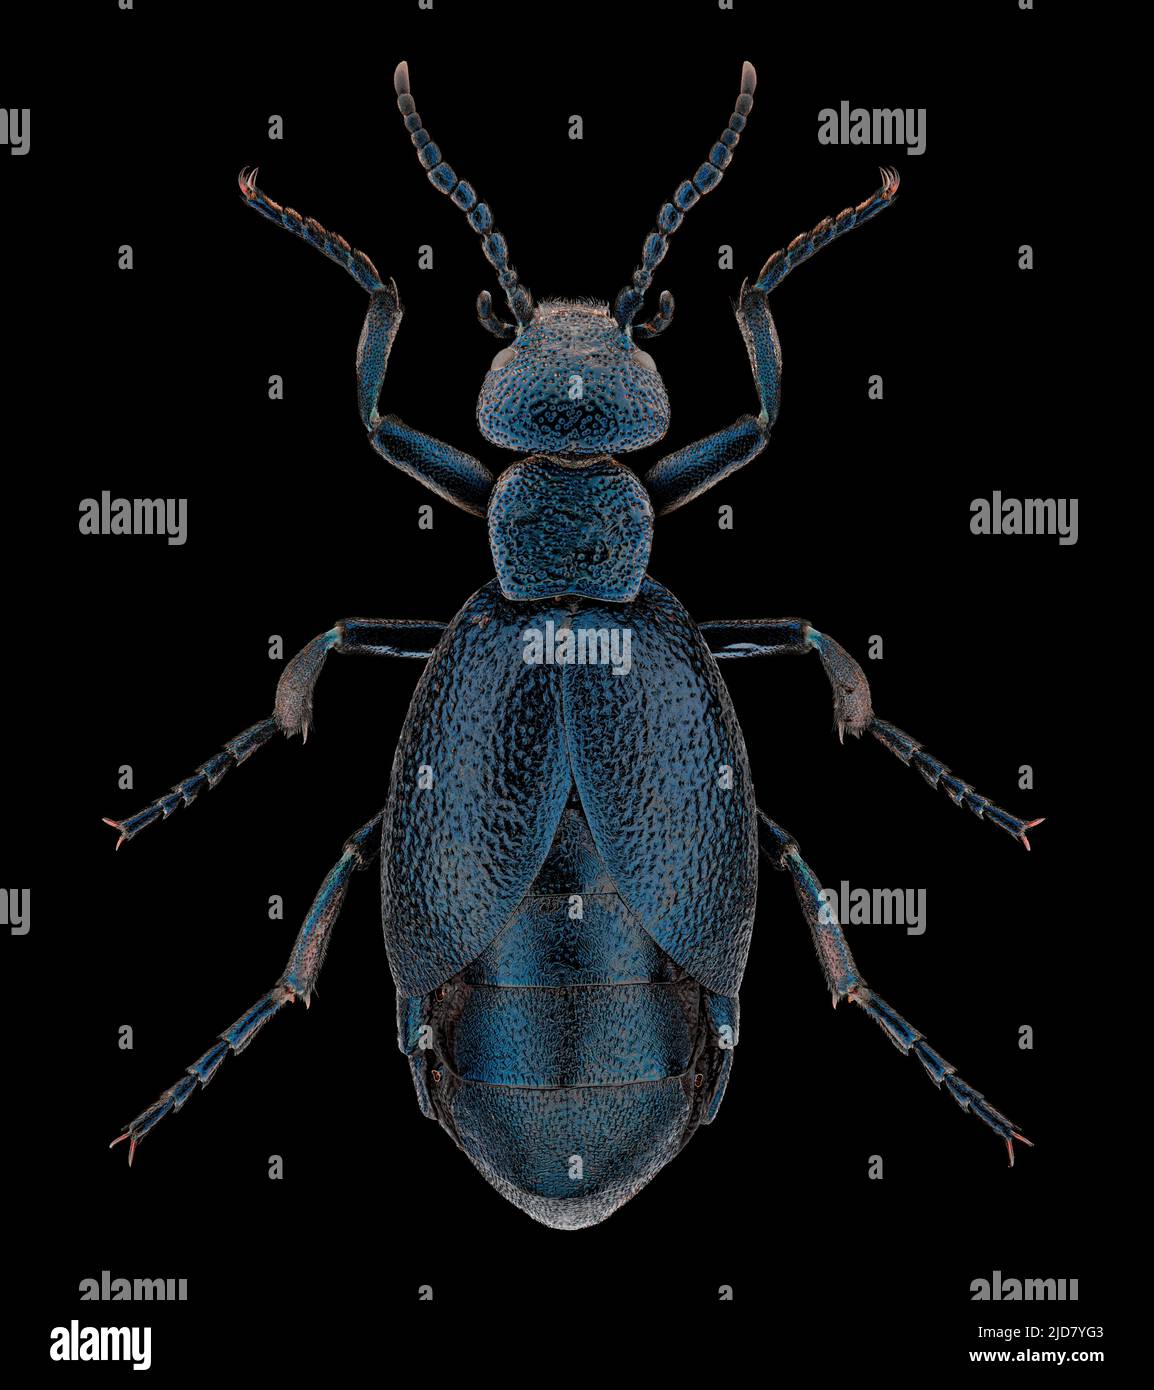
(336, 248)
(802, 247)
(297, 982)
(744, 637)
(845, 982)
(680, 477)
(450, 473)
(852, 706)
(909, 750)
(206, 775)
(401, 637)
(729, 639)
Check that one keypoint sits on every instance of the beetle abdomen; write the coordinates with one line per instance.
(565, 1060)
(569, 1158)
(574, 991)
(593, 1035)
(572, 927)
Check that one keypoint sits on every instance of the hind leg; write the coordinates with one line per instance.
(296, 983)
(845, 982)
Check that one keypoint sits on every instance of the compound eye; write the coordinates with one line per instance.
(644, 361)
(502, 359)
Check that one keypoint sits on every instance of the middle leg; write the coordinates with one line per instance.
(399, 637)
(740, 638)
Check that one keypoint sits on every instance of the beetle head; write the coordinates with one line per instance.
(572, 382)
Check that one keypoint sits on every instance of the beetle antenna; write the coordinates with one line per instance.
(480, 215)
(670, 216)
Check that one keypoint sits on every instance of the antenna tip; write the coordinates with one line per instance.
(748, 79)
(401, 79)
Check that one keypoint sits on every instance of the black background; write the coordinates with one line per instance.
(856, 516)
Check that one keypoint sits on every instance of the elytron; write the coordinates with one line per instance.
(569, 850)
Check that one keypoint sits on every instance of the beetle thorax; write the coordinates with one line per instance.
(580, 527)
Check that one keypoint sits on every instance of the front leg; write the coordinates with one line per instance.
(450, 473)
(402, 637)
(679, 478)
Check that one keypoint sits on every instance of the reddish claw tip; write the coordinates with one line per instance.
(247, 181)
(116, 826)
(1029, 826)
(1010, 1144)
(131, 1147)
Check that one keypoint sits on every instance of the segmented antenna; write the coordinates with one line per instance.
(480, 216)
(669, 218)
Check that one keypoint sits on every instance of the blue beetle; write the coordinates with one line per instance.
(569, 846)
